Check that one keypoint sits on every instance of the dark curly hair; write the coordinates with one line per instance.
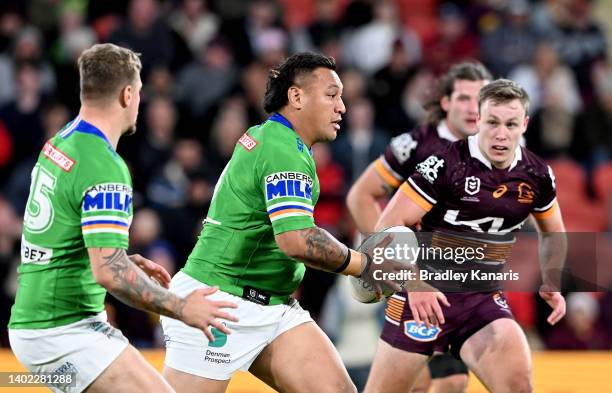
(469, 70)
(281, 78)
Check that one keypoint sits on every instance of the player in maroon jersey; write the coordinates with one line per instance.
(485, 185)
(451, 116)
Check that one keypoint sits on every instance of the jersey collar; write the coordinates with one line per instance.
(277, 117)
(88, 128)
(80, 125)
(477, 154)
(445, 133)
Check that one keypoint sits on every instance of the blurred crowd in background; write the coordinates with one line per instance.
(205, 65)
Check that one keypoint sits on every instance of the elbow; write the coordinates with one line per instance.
(103, 278)
(289, 243)
(352, 200)
(358, 198)
(291, 251)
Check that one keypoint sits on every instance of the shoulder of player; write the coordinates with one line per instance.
(418, 133)
(533, 163)
(277, 141)
(93, 155)
(264, 136)
(452, 151)
(527, 156)
(450, 159)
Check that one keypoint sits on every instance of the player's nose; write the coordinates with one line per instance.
(473, 106)
(500, 135)
(340, 107)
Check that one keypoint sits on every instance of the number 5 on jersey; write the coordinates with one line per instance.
(39, 210)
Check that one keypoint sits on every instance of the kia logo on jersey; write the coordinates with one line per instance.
(472, 185)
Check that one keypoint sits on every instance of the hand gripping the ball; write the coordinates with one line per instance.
(385, 275)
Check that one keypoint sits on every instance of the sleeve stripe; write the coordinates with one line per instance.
(421, 192)
(112, 222)
(279, 208)
(548, 213)
(301, 211)
(104, 228)
(388, 175)
(274, 206)
(412, 194)
(288, 213)
(121, 231)
(112, 218)
(543, 209)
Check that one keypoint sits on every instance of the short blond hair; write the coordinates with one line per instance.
(105, 69)
(501, 91)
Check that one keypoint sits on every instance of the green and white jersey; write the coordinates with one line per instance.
(270, 186)
(80, 197)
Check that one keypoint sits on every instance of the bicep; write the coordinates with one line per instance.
(371, 184)
(401, 210)
(552, 222)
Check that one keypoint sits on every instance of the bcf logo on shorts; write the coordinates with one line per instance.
(421, 332)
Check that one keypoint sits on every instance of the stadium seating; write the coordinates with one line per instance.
(580, 213)
(602, 183)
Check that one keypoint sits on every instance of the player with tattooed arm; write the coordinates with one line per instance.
(75, 234)
(258, 236)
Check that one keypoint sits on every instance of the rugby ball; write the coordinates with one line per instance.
(401, 237)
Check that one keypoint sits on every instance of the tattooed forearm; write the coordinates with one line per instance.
(132, 286)
(322, 250)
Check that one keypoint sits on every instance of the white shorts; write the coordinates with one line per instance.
(83, 349)
(188, 350)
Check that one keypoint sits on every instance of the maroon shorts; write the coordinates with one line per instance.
(468, 313)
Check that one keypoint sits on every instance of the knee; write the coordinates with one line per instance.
(452, 384)
(342, 387)
(519, 385)
(347, 387)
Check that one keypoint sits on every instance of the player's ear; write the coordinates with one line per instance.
(125, 97)
(525, 124)
(445, 103)
(295, 97)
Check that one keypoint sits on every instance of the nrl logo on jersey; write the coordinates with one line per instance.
(472, 185)
(288, 184)
(429, 168)
(108, 196)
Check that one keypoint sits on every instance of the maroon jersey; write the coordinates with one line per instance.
(405, 151)
(467, 197)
